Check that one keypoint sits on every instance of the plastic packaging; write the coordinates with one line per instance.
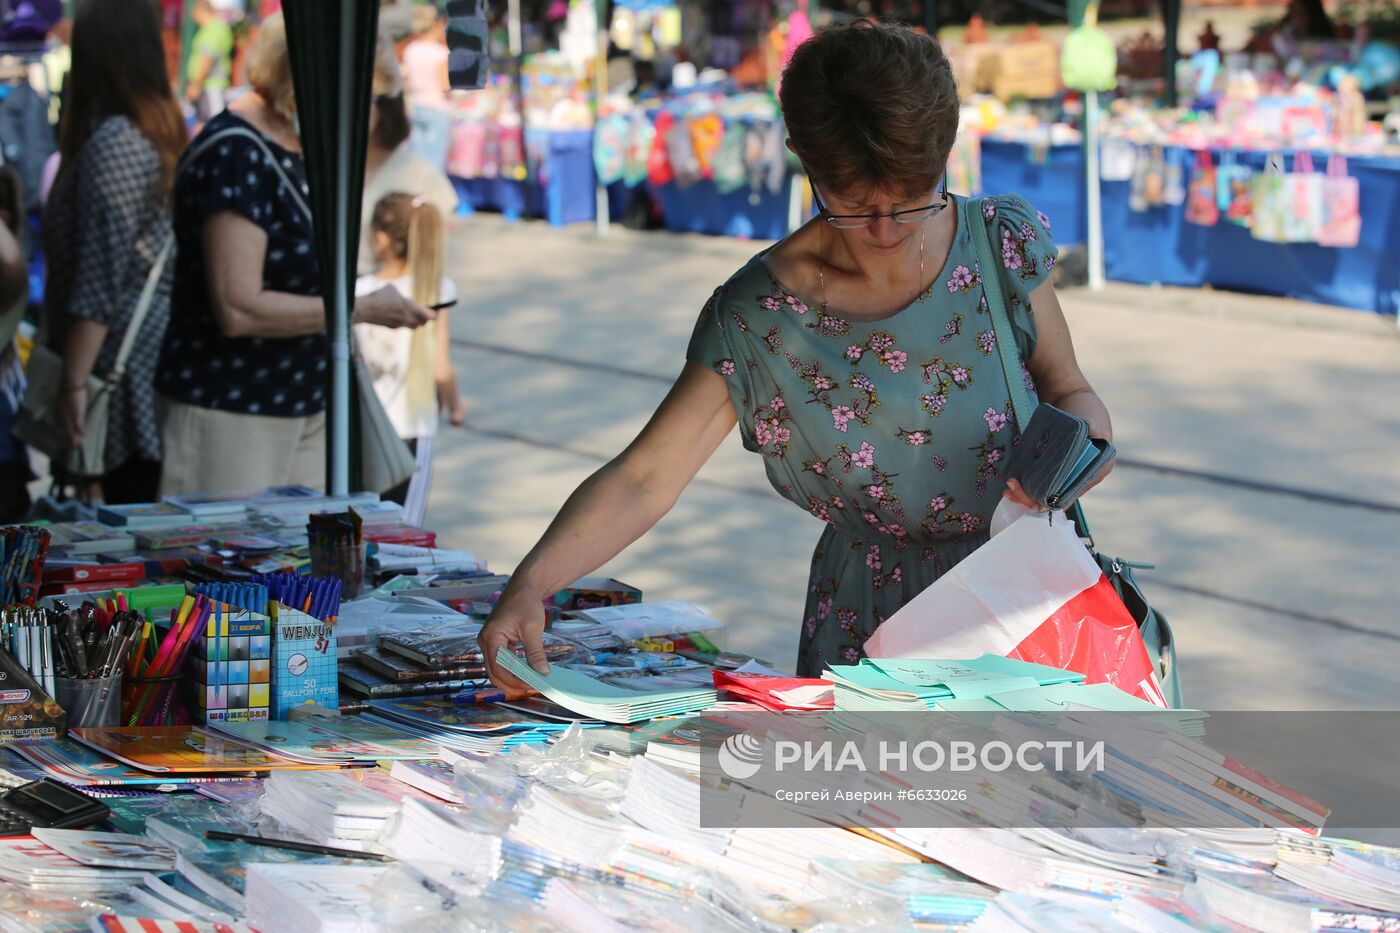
(1034, 593)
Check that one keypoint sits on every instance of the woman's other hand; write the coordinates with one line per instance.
(387, 308)
(518, 619)
(75, 404)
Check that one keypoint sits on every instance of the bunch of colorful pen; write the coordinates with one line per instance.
(22, 553)
(155, 661)
(318, 597)
(27, 636)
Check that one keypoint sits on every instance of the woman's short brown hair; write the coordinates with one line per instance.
(871, 106)
(269, 66)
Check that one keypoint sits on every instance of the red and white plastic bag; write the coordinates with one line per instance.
(1034, 593)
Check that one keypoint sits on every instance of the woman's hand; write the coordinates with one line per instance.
(450, 401)
(75, 404)
(387, 308)
(518, 619)
(1016, 494)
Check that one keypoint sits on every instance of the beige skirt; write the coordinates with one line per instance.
(216, 451)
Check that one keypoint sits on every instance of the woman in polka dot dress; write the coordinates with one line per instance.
(243, 374)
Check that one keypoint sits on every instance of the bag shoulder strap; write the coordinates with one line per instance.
(143, 306)
(1022, 407)
(272, 160)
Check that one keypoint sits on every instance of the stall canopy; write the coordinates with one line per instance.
(331, 43)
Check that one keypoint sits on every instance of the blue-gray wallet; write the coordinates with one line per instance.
(1056, 458)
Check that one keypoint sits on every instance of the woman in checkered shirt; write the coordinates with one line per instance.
(107, 219)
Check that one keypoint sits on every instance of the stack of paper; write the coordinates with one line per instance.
(446, 846)
(1065, 697)
(221, 873)
(329, 807)
(1011, 861)
(773, 690)
(436, 777)
(1364, 875)
(37, 865)
(72, 763)
(907, 684)
(332, 740)
(668, 804)
(303, 898)
(108, 850)
(584, 695)
(1270, 903)
(170, 891)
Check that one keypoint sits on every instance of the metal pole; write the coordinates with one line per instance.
(600, 91)
(517, 42)
(340, 325)
(1094, 246)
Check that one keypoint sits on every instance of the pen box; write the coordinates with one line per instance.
(304, 664)
(233, 667)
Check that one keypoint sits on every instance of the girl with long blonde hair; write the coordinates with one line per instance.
(412, 370)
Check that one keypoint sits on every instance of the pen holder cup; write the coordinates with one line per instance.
(343, 560)
(155, 701)
(93, 701)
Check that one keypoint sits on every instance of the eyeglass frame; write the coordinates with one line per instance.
(843, 221)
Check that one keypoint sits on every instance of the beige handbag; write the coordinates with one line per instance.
(40, 422)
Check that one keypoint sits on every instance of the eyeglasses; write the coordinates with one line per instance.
(913, 215)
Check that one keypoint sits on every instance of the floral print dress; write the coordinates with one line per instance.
(893, 432)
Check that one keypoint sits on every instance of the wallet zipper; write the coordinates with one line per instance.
(1081, 435)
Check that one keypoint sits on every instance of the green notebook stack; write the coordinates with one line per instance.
(916, 684)
(584, 695)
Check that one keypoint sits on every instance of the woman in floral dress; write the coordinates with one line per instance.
(857, 356)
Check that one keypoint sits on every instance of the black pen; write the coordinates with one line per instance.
(218, 835)
(443, 305)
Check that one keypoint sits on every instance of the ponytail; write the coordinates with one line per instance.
(425, 252)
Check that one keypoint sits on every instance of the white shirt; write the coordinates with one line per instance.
(403, 171)
(401, 362)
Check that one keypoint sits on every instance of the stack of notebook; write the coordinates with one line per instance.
(582, 694)
(911, 685)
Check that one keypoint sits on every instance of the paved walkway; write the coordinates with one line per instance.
(1260, 445)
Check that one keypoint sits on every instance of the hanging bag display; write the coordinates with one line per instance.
(1174, 188)
(610, 148)
(1154, 185)
(1305, 217)
(1201, 206)
(40, 422)
(1341, 198)
(641, 135)
(1235, 186)
(1270, 202)
(730, 172)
